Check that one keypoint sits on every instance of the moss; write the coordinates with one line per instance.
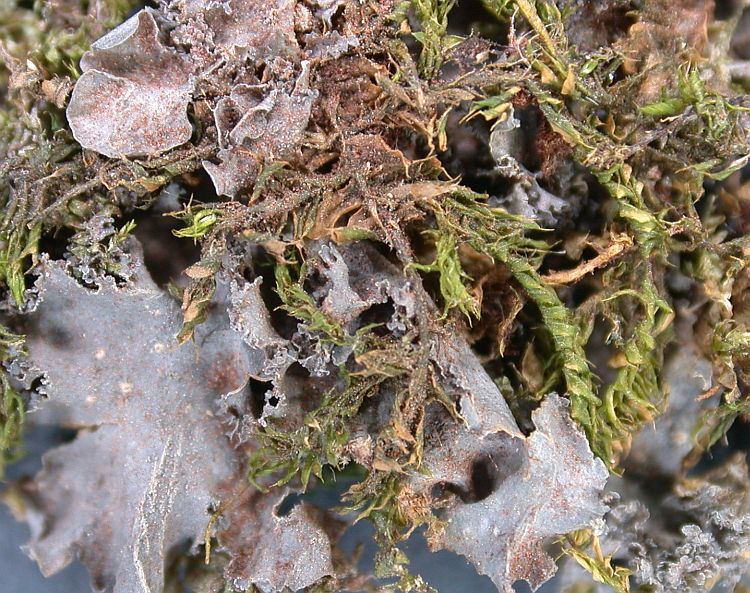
(301, 305)
(585, 548)
(373, 165)
(453, 278)
(432, 16)
(12, 405)
(562, 77)
(19, 247)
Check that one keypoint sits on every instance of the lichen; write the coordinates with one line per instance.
(478, 264)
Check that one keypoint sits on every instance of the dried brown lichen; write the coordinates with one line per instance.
(120, 110)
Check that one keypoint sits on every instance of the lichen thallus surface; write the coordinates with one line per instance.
(470, 260)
